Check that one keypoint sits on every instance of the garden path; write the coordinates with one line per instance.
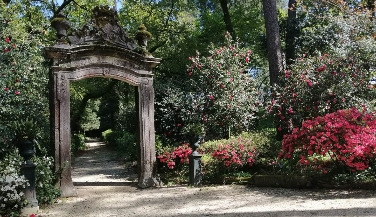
(106, 189)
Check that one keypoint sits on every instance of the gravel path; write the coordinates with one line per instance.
(106, 189)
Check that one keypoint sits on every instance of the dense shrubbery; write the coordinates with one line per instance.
(77, 143)
(344, 139)
(220, 95)
(221, 158)
(123, 142)
(23, 97)
(12, 198)
(317, 86)
(45, 188)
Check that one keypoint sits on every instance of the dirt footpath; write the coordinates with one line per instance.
(106, 189)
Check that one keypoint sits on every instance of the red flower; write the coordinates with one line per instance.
(6, 49)
(322, 68)
(7, 40)
(16, 92)
(309, 83)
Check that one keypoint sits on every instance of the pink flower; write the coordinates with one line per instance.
(16, 92)
(287, 74)
(247, 59)
(322, 68)
(309, 83)
(7, 40)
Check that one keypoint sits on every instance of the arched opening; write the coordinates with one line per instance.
(104, 51)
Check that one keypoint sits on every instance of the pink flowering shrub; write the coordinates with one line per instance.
(222, 93)
(235, 154)
(347, 137)
(316, 86)
(179, 155)
(220, 157)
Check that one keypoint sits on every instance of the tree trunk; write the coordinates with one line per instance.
(227, 18)
(291, 33)
(273, 41)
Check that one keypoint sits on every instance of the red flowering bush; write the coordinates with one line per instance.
(235, 154)
(317, 86)
(179, 155)
(347, 137)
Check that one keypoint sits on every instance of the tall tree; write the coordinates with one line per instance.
(227, 18)
(273, 41)
(291, 32)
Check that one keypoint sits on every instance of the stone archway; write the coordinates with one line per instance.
(101, 49)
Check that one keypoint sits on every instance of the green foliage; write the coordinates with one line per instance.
(223, 94)
(45, 187)
(77, 143)
(317, 86)
(123, 142)
(23, 78)
(221, 158)
(337, 30)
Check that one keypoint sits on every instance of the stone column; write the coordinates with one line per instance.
(62, 137)
(147, 156)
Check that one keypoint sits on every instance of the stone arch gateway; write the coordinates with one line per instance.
(100, 49)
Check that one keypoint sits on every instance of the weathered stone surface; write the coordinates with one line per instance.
(101, 49)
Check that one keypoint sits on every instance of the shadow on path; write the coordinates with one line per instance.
(100, 165)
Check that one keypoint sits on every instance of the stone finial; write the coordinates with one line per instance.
(142, 36)
(103, 15)
(61, 25)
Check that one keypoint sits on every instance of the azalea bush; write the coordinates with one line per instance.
(220, 158)
(315, 86)
(344, 140)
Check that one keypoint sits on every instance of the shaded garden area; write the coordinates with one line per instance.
(300, 111)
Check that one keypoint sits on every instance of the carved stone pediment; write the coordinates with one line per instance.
(103, 28)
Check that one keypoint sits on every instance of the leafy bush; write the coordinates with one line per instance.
(24, 78)
(221, 158)
(317, 86)
(123, 142)
(78, 143)
(179, 155)
(45, 179)
(345, 138)
(223, 95)
(12, 198)
(218, 94)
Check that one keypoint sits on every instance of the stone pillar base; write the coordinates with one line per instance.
(28, 210)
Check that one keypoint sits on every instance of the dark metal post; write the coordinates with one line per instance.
(28, 170)
(195, 169)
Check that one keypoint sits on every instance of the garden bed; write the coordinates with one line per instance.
(281, 181)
